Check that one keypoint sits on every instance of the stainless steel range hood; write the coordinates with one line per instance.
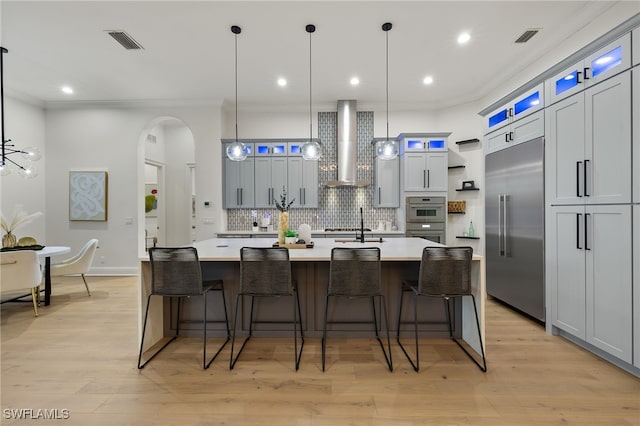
(347, 148)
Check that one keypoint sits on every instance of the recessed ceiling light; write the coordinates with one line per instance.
(66, 89)
(282, 82)
(463, 38)
(354, 81)
(428, 80)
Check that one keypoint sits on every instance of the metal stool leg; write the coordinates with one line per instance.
(144, 329)
(324, 330)
(482, 367)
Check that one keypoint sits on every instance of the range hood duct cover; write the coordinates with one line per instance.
(347, 148)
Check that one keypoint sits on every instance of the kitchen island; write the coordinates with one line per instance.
(400, 257)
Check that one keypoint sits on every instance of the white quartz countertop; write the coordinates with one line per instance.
(391, 249)
(314, 232)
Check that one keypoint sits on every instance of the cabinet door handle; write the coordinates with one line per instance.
(506, 225)
(578, 178)
(510, 112)
(578, 231)
(510, 136)
(500, 250)
(424, 178)
(586, 162)
(506, 137)
(428, 179)
(585, 75)
(304, 195)
(586, 231)
(379, 195)
(238, 196)
(578, 77)
(301, 199)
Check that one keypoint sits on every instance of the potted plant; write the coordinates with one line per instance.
(290, 237)
(283, 207)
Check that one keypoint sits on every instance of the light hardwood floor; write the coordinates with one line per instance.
(80, 355)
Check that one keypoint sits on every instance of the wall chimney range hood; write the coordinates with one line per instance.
(347, 148)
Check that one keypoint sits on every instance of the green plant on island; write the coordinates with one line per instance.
(290, 233)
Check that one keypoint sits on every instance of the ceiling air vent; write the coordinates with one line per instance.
(125, 40)
(526, 36)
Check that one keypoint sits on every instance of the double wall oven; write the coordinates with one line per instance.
(426, 218)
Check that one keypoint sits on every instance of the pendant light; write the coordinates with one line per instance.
(236, 151)
(387, 149)
(311, 148)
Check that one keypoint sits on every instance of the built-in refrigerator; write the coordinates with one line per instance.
(514, 214)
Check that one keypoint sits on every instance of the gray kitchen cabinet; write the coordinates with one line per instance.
(565, 268)
(589, 145)
(635, 73)
(387, 183)
(506, 114)
(589, 272)
(522, 130)
(303, 182)
(597, 67)
(636, 284)
(425, 171)
(238, 184)
(635, 42)
(270, 180)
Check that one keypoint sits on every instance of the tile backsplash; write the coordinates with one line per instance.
(337, 207)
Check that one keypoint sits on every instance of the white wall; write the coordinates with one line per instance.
(111, 138)
(24, 125)
(179, 152)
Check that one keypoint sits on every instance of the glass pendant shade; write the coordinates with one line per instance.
(387, 149)
(29, 171)
(237, 151)
(311, 150)
(31, 153)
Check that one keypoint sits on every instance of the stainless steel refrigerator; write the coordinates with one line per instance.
(514, 214)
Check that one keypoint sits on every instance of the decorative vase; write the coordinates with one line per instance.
(9, 240)
(283, 226)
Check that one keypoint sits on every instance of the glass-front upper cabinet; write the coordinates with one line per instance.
(273, 149)
(522, 106)
(423, 142)
(604, 63)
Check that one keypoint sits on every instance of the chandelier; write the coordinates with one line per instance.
(28, 154)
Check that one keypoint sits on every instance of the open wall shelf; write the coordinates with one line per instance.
(468, 189)
(462, 166)
(467, 141)
(467, 238)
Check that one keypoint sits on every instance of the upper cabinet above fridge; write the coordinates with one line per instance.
(604, 63)
(522, 106)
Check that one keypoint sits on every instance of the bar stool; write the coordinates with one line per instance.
(266, 272)
(444, 272)
(355, 273)
(176, 272)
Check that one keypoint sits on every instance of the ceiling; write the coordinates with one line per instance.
(188, 53)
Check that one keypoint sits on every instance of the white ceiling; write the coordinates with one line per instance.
(189, 49)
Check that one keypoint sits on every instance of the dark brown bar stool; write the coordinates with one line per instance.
(444, 272)
(266, 272)
(176, 272)
(355, 273)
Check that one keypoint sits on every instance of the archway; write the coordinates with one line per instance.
(166, 184)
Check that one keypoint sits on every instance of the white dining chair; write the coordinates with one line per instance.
(20, 272)
(78, 264)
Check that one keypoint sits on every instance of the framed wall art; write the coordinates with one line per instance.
(88, 195)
